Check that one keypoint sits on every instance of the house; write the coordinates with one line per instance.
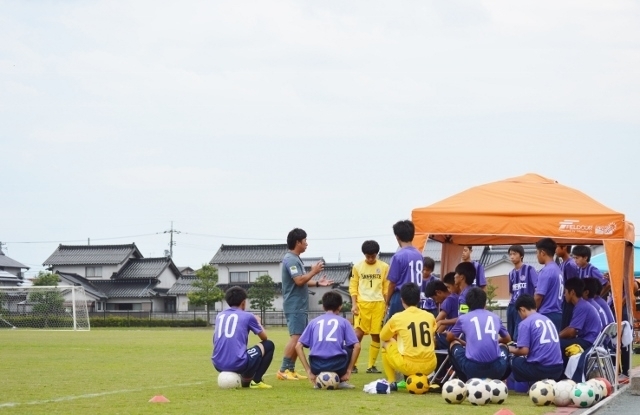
(11, 274)
(117, 277)
(180, 289)
(338, 272)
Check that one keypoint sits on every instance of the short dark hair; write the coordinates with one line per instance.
(234, 296)
(576, 285)
(370, 247)
(433, 286)
(428, 263)
(567, 247)
(518, 249)
(468, 246)
(582, 251)
(476, 298)
(449, 278)
(468, 270)
(294, 236)
(526, 301)
(331, 301)
(404, 230)
(410, 294)
(547, 245)
(592, 285)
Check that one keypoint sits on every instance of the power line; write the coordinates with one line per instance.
(280, 239)
(82, 240)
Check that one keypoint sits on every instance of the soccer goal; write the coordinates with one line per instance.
(44, 308)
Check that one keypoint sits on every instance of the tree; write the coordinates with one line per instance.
(46, 303)
(206, 292)
(491, 294)
(261, 294)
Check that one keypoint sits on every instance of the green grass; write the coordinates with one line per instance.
(116, 371)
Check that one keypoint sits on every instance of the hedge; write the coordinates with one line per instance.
(144, 322)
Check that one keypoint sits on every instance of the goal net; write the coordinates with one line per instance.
(44, 308)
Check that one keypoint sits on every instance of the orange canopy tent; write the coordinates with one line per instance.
(522, 210)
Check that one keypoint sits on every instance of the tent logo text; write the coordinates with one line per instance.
(606, 229)
(573, 225)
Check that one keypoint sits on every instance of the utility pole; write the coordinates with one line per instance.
(171, 243)
(1, 245)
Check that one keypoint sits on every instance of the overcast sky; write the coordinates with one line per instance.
(240, 120)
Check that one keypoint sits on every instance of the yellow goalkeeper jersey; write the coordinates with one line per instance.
(414, 330)
(369, 282)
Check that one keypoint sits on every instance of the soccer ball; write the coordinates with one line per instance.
(583, 395)
(418, 384)
(563, 391)
(499, 391)
(478, 392)
(327, 380)
(598, 388)
(541, 393)
(454, 391)
(228, 380)
(608, 389)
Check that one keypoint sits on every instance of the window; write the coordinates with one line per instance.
(93, 272)
(99, 303)
(253, 275)
(238, 277)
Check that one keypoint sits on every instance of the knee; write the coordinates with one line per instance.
(268, 346)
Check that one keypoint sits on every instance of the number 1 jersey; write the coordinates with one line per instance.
(369, 282)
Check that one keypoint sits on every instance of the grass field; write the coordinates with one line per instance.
(116, 371)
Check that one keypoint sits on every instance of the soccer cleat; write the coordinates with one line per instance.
(345, 385)
(298, 376)
(373, 369)
(355, 370)
(286, 375)
(401, 385)
(260, 385)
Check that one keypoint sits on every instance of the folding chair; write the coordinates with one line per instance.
(445, 371)
(599, 358)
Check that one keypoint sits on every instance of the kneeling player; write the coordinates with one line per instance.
(332, 342)
(408, 338)
(537, 355)
(230, 338)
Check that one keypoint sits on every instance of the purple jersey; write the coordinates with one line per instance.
(462, 297)
(481, 329)
(551, 286)
(450, 306)
(230, 339)
(601, 313)
(539, 334)
(522, 281)
(586, 321)
(406, 267)
(592, 272)
(427, 303)
(605, 307)
(327, 335)
(481, 280)
(569, 269)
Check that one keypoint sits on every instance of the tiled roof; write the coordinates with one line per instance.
(76, 279)
(126, 288)
(433, 249)
(92, 254)
(307, 262)
(500, 253)
(338, 272)
(385, 256)
(186, 270)
(145, 268)
(249, 254)
(5, 261)
(182, 286)
(246, 286)
(9, 277)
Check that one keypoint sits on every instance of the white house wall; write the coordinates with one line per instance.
(107, 270)
(224, 270)
(166, 278)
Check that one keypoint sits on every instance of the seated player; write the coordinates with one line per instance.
(479, 355)
(448, 314)
(591, 286)
(594, 286)
(537, 355)
(230, 338)
(332, 343)
(449, 280)
(408, 344)
(426, 302)
(582, 256)
(585, 323)
(463, 278)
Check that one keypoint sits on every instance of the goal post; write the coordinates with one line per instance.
(44, 308)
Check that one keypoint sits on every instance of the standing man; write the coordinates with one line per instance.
(481, 280)
(367, 287)
(406, 266)
(295, 294)
(550, 288)
(569, 270)
(522, 280)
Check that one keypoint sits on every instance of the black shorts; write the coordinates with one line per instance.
(253, 363)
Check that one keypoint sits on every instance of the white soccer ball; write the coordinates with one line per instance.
(499, 391)
(327, 380)
(541, 393)
(478, 392)
(228, 380)
(598, 388)
(583, 395)
(454, 391)
(563, 391)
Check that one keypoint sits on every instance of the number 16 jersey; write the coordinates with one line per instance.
(414, 330)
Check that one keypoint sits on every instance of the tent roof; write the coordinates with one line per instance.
(600, 261)
(520, 209)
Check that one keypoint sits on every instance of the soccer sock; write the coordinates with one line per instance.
(265, 362)
(389, 372)
(287, 364)
(374, 349)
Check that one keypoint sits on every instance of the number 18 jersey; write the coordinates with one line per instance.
(369, 282)
(414, 330)
(406, 267)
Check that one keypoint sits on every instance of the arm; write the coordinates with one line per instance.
(262, 335)
(505, 339)
(305, 363)
(445, 323)
(305, 278)
(390, 290)
(519, 351)
(568, 333)
(352, 363)
(353, 290)
(538, 298)
(386, 333)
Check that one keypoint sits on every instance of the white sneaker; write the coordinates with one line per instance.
(345, 385)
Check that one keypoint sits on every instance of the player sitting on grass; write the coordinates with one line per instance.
(408, 338)
(230, 338)
(332, 343)
(537, 355)
(367, 287)
(482, 357)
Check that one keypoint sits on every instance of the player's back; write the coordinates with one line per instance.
(230, 338)
(406, 266)
(326, 336)
(415, 330)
